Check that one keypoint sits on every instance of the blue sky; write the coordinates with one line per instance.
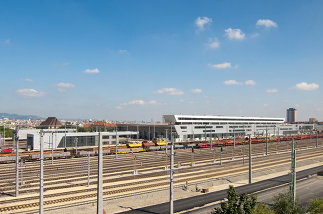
(138, 60)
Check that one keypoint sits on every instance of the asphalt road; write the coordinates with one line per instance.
(201, 200)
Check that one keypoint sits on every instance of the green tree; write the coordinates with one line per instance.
(83, 129)
(284, 204)
(8, 132)
(237, 204)
(263, 209)
(316, 206)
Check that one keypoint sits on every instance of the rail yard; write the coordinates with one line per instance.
(70, 181)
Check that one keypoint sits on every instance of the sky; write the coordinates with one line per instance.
(140, 59)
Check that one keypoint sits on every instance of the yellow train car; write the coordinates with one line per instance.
(161, 143)
(134, 145)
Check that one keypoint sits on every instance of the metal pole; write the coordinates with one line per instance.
(88, 169)
(154, 131)
(317, 139)
(76, 141)
(193, 133)
(171, 204)
(137, 132)
(192, 156)
(266, 141)
(65, 137)
(294, 177)
(292, 153)
(100, 178)
(41, 175)
(205, 132)
(250, 163)
(53, 150)
(278, 141)
(4, 135)
(117, 141)
(221, 155)
(16, 139)
(149, 133)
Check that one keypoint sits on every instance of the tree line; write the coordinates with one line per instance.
(283, 203)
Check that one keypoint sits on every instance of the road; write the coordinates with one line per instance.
(201, 200)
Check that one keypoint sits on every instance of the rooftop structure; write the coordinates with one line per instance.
(217, 120)
(99, 124)
(51, 123)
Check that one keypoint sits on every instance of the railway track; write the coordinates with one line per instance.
(150, 168)
(123, 167)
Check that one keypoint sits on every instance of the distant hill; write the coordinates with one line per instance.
(19, 117)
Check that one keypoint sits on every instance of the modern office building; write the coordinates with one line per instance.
(200, 127)
(291, 115)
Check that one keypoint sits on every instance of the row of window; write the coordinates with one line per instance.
(203, 127)
(231, 119)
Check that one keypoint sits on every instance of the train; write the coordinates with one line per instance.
(7, 154)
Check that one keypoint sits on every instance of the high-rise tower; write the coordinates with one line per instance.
(291, 116)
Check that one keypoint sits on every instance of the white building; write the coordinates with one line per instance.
(60, 139)
(200, 127)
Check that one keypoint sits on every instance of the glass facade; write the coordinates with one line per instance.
(73, 141)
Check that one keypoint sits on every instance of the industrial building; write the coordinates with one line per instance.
(200, 127)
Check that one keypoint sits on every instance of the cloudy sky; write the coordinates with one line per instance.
(138, 60)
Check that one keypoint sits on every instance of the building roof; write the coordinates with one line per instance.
(99, 124)
(51, 122)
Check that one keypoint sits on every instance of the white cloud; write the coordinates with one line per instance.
(274, 90)
(266, 23)
(213, 43)
(137, 102)
(200, 22)
(119, 107)
(234, 34)
(235, 82)
(170, 91)
(29, 93)
(123, 51)
(232, 82)
(27, 80)
(221, 66)
(92, 71)
(250, 82)
(197, 90)
(153, 102)
(65, 85)
(304, 86)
